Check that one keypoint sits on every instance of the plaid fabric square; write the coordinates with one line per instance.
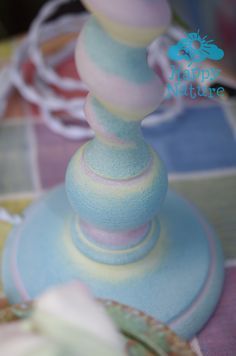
(200, 139)
(218, 338)
(54, 153)
(213, 196)
(15, 159)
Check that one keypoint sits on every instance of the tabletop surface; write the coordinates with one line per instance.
(198, 148)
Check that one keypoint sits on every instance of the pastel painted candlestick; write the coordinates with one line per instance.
(121, 179)
(125, 236)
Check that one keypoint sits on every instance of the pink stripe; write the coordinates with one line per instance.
(15, 270)
(117, 91)
(138, 13)
(205, 290)
(124, 238)
(91, 118)
(116, 182)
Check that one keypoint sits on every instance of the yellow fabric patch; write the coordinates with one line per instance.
(14, 207)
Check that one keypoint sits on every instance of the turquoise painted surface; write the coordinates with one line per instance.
(114, 57)
(123, 129)
(170, 278)
(111, 159)
(110, 256)
(107, 207)
(115, 162)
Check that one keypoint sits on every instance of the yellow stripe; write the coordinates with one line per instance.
(134, 36)
(115, 190)
(126, 115)
(117, 273)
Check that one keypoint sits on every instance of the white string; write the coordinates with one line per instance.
(5, 216)
(5, 88)
(50, 102)
(157, 56)
(47, 72)
(41, 93)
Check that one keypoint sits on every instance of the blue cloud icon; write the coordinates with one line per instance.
(194, 48)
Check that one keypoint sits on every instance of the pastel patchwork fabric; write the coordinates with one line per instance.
(199, 150)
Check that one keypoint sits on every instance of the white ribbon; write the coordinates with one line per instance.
(5, 216)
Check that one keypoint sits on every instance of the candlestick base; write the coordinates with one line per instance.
(178, 282)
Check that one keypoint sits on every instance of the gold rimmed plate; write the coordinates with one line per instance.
(144, 335)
